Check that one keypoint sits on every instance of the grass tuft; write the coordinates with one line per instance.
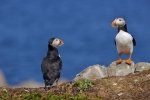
(83, 84)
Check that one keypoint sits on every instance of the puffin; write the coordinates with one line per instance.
(124, 41)
(52, 64)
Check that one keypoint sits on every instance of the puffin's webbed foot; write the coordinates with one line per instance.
(128, 61)
(119, 61)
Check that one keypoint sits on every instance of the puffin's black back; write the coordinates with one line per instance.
(51, 65)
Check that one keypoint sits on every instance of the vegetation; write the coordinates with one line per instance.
(83, 84)
(33, 95)
(131, 87)
(4, 95)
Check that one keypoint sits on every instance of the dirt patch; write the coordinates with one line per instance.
(131, 87)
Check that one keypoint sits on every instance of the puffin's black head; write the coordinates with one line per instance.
(120, 24)
(55, 42)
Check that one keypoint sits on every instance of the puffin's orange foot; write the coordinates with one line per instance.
(119, 61)
(128, 61)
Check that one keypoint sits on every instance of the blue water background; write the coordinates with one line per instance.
(84, 25)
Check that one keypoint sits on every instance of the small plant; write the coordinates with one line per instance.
(83, 84)
(66, 97)
(4, 95)
(31, 96)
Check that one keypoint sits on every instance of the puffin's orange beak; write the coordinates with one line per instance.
(113, 24)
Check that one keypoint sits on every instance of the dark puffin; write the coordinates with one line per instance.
(52, 63)
(124, 41)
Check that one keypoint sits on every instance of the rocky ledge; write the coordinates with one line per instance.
(101, 71)
(97, 82)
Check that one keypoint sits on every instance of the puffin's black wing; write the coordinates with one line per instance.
(134, 41)
(51, 69)
(115, 41)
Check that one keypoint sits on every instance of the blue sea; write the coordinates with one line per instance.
(84, 25)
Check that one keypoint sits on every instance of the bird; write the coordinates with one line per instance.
(52, 64)
(124, 41)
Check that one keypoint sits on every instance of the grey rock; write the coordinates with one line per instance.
(141, 66)
(28, 84)
(2, 79)
(120, 69)
(92, 73)
(123, 69)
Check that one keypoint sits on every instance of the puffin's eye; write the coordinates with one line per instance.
(56, 39)
(120, 20)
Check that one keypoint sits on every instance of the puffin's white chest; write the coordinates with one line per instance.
(124, 42)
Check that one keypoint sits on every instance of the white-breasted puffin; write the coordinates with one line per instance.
(52, 63)
(124, 41)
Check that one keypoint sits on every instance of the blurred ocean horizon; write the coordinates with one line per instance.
(84, 25)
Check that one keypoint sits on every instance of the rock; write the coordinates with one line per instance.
(142, 66)
(2, 79)
(29, 84)
(123, 69)
(92, 73)
(120, 69)
(34, 84)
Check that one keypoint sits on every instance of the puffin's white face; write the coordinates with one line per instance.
(118, 22)
(57, 42)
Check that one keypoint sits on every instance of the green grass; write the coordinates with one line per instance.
(4, 95)
(31, 96)
(38, 96)
(66, 97)
(83, 84)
